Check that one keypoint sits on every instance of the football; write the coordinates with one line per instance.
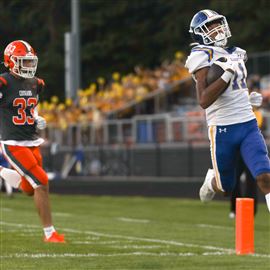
(214, 73)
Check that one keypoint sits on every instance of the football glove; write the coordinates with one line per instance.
(41, 122)
(255, 99)
(225, 64)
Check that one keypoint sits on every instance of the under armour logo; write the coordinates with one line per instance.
(222, 130)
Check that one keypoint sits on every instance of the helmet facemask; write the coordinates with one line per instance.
(222, 32)
(24, 66)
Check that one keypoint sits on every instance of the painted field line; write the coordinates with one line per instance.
(139, 253)
(137, 246)
(133, 220)
(96, 243)
(86, 255)
(151, 240)
(209, 226)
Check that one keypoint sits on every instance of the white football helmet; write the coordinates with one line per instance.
(203, 35)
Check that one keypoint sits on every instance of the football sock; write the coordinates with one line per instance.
(11, 177)
(48, 231)
(267, 197)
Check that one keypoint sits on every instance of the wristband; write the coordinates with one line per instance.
(226, 76)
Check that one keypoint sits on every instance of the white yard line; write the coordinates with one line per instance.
(137, 246)
(139, 253)
(209, 226)
(216, 250)
(133, 220)
(79, 255)
(96, 243)
(151, 240)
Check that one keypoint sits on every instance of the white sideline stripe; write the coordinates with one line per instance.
(133, 220)
(136, 246)
(96, 243)
(109, 244)
(78, 255)
(209, 226)
(168, 242)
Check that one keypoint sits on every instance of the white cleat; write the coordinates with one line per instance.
(206, 194)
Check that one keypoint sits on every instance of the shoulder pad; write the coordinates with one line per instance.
(241, 53)
(199, 57)
(244, 53)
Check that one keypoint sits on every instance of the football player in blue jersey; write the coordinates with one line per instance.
(232, 125)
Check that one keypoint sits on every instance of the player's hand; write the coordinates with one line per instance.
(41, 122)
(225, 64)
(255, 99)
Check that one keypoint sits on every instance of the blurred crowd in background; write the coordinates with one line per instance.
(105, 96)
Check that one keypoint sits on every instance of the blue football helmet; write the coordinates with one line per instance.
(203, 35)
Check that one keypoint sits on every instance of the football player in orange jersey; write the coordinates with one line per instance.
(19, 124)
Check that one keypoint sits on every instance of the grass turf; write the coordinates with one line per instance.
(128, 233)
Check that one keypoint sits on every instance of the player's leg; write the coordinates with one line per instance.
(26, 161)
(255, 155)
(12, 177)
(223, 155)
(26, 188)
(41, 195)
(236, 193)
(251, 188)
(42, 201)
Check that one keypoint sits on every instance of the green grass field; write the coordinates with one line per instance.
(128, 233)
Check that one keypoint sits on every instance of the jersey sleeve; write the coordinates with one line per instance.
(198, 58)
